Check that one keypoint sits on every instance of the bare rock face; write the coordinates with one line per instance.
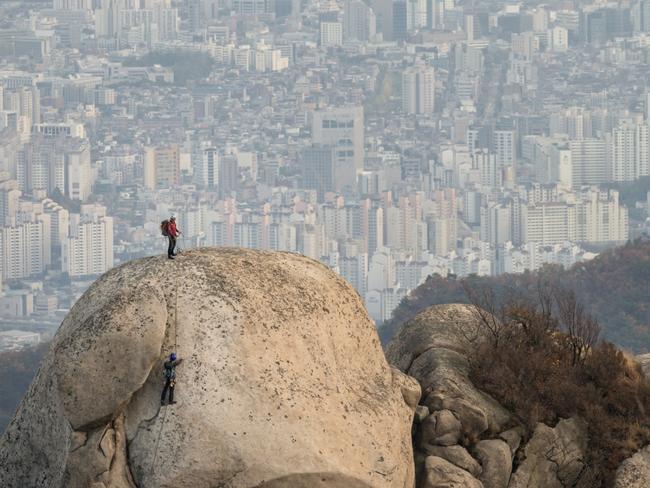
(456, 455)
(440, 473)
(634, 472)
(496, 460)
(284, 383)
(554, 457)
(432, 348)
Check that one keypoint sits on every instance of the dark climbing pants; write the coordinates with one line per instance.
(169, 385)
(172, 246)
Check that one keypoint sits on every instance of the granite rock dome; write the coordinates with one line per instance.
(284, 383)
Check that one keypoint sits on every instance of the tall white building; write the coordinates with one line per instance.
(628, 152)
(89, 249)
(206, 171)
(601, 217)
(505, 146)
(418, 90)
(416, 14)
(9, 196)
(78, 172)
(560, 168)
(496, 224)
(72, 4)
(575, 122)
(589, 162)
(489, 171)
(549, 223)
(22, 249)
(331, 34)
(168, 22)
(558, 39)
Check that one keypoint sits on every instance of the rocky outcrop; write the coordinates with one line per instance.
(284, 383)
(432, 348)
(634, 472)
(496, 461)
(468, 439)
(554, 457)
(439, 473)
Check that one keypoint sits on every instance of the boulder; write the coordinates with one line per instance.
(554, 457)
(634, 472)
(447, 432)
(284, 383)
(512, 437)
(433, 348)
(441, 428)
(439, 473)
(496, 460)
(456, 455)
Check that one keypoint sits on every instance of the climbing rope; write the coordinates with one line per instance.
(176, 320)
(162, 424)
(155, 451)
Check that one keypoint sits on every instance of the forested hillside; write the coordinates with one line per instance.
(615, 288)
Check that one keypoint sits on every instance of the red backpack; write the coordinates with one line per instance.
(164, 228)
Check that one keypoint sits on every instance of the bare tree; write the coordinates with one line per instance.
(581, 328)
(487, 310)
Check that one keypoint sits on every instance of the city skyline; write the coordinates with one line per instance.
(388, 139)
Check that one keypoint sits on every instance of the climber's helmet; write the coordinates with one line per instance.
(172, 356)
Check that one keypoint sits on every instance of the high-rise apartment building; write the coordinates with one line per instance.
(58, 163)
(22, 249)
(78, 171)
(331, 34)
(491, 175)
(589, 162)
(416, 14)
(359, 21)
(418, 90)
(496, 223)
(250, 7)
(504, 143)
(72, 4)
(89, 248)
(549, 223)
(161, 167)
(228, 175)
(601, 217)
(206, 169)
(628, 152)
(400, 16)
(9, 196)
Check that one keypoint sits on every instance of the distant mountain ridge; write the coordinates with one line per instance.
(615, 287)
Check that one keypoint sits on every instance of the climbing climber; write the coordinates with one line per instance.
(170, 378)
(170, 230)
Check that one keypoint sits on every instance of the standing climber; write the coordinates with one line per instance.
(172, 234)
(170, 378)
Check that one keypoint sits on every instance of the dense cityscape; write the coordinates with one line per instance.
(389, 139)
